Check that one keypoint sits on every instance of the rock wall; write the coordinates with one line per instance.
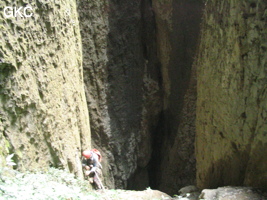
(141, 89)
(231, 144)
(122, 86)
(43, 113)
(178, 25)
(132, 58)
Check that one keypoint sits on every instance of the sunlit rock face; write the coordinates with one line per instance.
(130, 63)
(231, 142)
(43, 113)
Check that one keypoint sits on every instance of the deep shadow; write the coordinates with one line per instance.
(132, 52)
(125, 69)
(169, 169)
(154, 170)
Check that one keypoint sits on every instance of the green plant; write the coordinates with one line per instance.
(52, 184)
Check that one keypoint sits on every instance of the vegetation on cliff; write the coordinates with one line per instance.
(58, 184)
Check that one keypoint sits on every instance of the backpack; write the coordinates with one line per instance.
(97, 153)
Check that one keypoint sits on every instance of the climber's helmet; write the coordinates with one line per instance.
(87, 154)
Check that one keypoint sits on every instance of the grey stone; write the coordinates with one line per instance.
(188, 189)
(232, 193)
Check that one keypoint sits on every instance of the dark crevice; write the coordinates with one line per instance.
(156, 157)
(133, 86)
(170, 170)
(164, 134)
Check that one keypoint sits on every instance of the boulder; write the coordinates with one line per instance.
(232, 193)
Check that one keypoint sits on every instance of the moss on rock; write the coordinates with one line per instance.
(43, 111)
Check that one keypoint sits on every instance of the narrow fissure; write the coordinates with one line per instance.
(156, 157)
(165, 104)
(172, 161)
(146, 81)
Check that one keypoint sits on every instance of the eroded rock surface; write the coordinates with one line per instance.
(140, 88)
(43, 112)
(231, 142)
(122, 78)
(178, 27)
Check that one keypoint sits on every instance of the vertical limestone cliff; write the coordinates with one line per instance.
(141, 89)
(93, 18)
(43, 113)
(130, 63)
(231, 139)
(137, 65)
(121, 75)
(177, 25)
